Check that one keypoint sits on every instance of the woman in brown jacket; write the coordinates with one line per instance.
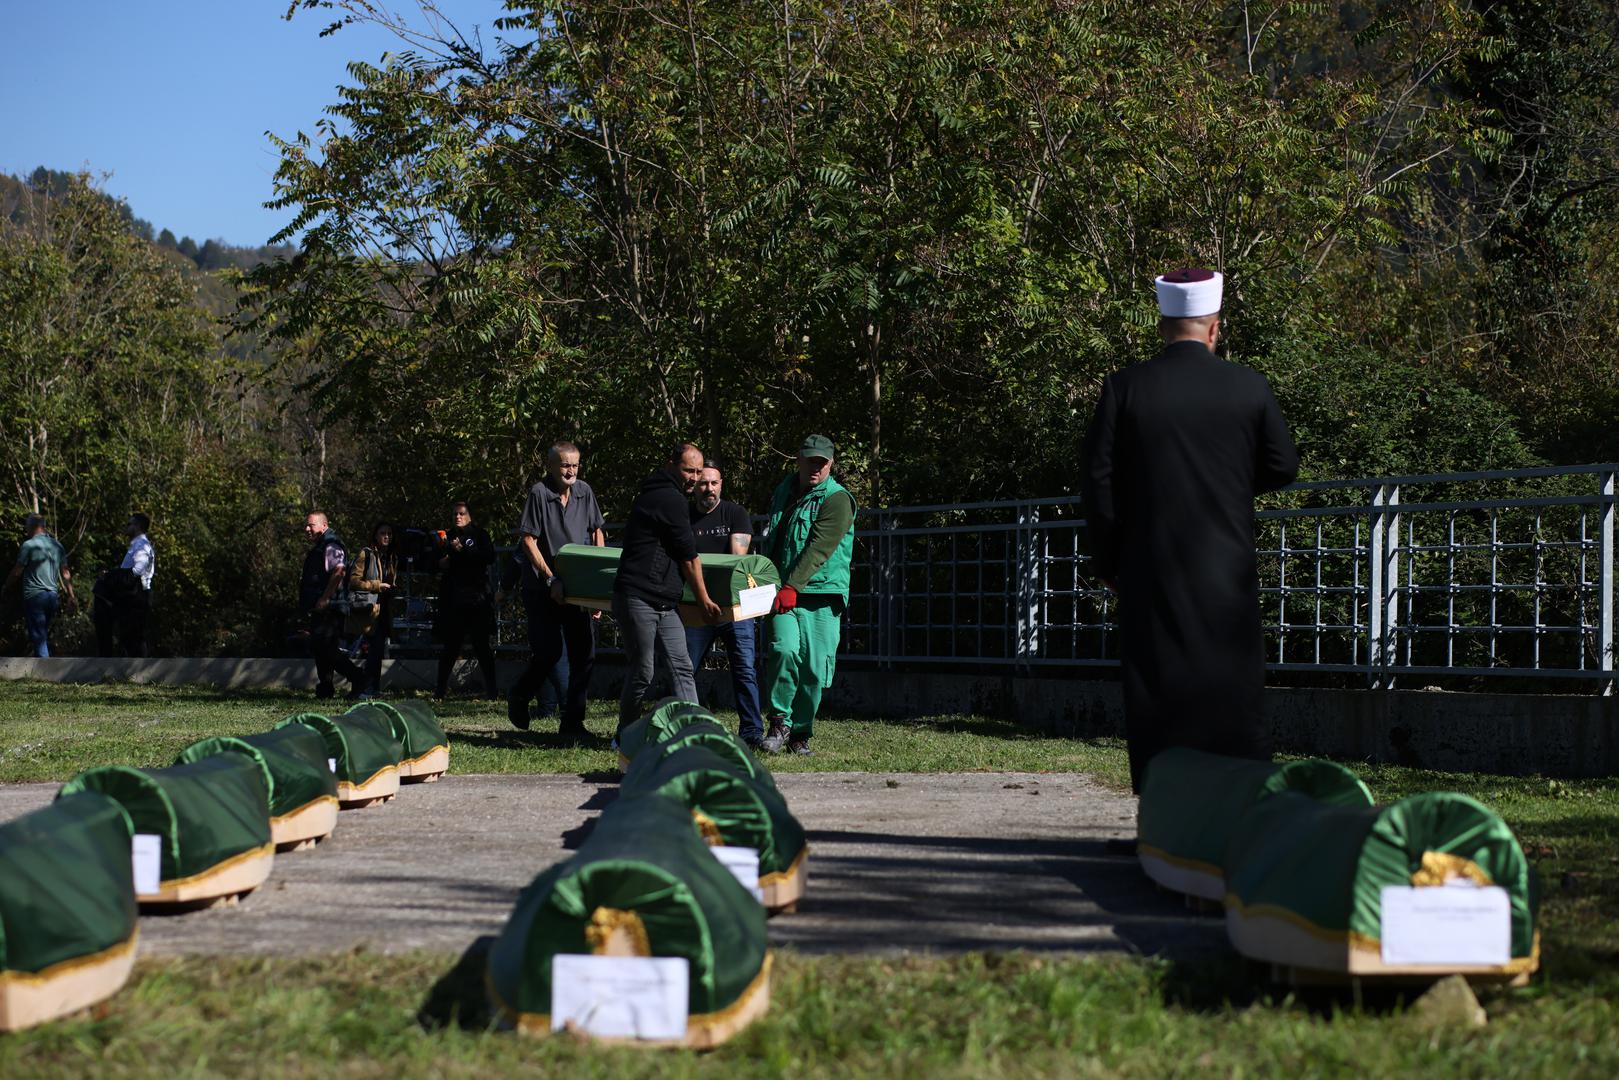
(372, 576)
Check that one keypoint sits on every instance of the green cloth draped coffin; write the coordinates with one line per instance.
(302, 788)
(1304, 879)
(712, 736)
(425, 745)
(67, 909)
(211, 817)
(731, 808)
(660, 723)
(1191, 803)
(588, 573)
(642, 884)
(366, 754)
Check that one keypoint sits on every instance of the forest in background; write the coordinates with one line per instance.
(927, 229)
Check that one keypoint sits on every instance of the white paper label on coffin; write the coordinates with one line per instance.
(623, 997)
(331, 764)
(743, 863)
(752, 603)
(146, 859)
(1455, 925)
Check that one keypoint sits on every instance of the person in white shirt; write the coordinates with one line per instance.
(124, 596)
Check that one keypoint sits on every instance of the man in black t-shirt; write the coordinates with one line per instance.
(724, 528)
(464, 610)
(561, 509)
(660, 553)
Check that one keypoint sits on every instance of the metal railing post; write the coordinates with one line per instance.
(1383, 612)
(1605, 570)
(888, 600)
(1028, 584)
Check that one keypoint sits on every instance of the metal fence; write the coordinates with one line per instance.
(1481, 574)
(1494, 574)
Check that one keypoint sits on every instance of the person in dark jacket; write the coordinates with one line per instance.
(371, 583)
(660, 550)
(464, 609)
(322, 598)
(1179, 447)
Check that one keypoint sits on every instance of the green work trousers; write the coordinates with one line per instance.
(803, 653)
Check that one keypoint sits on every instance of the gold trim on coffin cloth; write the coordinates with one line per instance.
(775, 877)
(357, 785)
(169, 884)
(708, 827)
(1181, 861)
(64, 967)
(607, 923)
(698, 1025)
(1361, 942)
(290, 814)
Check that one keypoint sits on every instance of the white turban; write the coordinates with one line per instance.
(1189, 293)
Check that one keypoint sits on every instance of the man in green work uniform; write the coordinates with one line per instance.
(811, 538)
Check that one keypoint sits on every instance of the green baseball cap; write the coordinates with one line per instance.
(817, 446)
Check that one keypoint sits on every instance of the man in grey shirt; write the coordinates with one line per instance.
(561, 509)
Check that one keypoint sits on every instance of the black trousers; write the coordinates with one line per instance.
(121, 624)
(376, 650)
(472, 623)
(553, 628)
(325, 642)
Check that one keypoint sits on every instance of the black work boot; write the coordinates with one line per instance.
(776, 741)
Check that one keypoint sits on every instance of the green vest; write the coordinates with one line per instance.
(789, 530)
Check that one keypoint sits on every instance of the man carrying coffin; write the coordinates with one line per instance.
(660, 551)
(1179, 447)
(811, 539)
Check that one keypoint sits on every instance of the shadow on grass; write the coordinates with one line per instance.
(525, 740)
(459, 998)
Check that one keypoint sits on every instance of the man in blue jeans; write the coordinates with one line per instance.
(43, 574)
(724, 528)
(659, 551)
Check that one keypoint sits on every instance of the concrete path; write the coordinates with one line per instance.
(908, 862)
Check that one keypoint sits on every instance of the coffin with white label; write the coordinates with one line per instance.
(641, 885)
(425, 746)
(363, 752)
(1305, 885)
(1191, 803)
(211, 819)
(67, 909)
(744, 586)
(712, 736)
(302, 787)
(732, 808)
(660, 723)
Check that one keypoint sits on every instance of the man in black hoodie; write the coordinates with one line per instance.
(465, 555)
(659, 550)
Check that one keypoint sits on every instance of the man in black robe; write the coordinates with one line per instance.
(1178, 449)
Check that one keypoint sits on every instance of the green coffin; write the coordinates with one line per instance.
(661, 723)
(710, 735)
(425, 746)
(66, 893)
(365, 751)
(641, 884)
(291, 759)
(730, 808)
(1304, 879)
(1191, 803)
(588, 572)
(209, 816)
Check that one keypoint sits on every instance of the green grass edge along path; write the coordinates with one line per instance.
(363, 1014)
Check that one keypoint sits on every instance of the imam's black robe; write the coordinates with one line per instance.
(1178, 449)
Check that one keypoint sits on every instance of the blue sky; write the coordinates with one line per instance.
(173, 97)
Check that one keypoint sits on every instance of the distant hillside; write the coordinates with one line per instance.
(16, 195)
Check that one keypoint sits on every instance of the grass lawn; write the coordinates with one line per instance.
(981, 1014)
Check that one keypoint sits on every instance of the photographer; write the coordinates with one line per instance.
(464, 608)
